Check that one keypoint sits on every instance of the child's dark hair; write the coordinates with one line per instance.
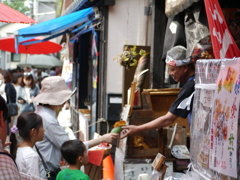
(71, 150)
(28, 76)
(25, 123)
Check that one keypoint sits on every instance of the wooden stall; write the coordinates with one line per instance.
(146, 145)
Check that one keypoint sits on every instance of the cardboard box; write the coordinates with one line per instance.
(158, 161)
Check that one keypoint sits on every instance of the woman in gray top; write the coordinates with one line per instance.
(53, 95)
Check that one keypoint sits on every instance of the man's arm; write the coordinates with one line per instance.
(158, 123)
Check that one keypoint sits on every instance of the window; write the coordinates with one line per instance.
(15, 57)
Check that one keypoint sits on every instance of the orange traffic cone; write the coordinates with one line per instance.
(108, 168)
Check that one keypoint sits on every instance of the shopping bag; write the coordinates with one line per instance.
(12, 109)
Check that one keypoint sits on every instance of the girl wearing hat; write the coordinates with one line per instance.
(53, 95)
(181, 69)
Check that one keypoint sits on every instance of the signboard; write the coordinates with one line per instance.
(224, 123)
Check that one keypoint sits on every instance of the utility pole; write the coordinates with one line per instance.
(32, 8)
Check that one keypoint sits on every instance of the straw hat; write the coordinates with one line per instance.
(54, 91)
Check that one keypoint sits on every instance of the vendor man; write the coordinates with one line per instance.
(181, 69)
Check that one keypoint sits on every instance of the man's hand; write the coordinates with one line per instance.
(129, 130)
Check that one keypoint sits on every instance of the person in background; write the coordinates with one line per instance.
(75, 153)
(34, 74)
(7, 91)
(181, 69)
(16, 81)
(8, 168)
(53, 95)
(58, 71)
(27, 91)
(52, 73)
(24, 135)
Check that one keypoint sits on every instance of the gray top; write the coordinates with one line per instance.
(54, 137)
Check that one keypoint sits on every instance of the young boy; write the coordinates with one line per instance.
(75, 153)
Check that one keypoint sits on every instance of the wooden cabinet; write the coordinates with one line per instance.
(161, 100)
(155, 103)
(144, 147)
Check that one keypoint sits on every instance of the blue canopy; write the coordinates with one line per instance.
(57, 25)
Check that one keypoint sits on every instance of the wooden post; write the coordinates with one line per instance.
(157, 65)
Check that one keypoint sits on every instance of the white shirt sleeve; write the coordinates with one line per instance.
(86, 144)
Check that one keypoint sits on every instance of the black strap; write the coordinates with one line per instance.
(9, 156)
(44, 164)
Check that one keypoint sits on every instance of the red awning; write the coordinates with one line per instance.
(10, 15)
(47, 47)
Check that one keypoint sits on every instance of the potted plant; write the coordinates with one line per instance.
(128, 58)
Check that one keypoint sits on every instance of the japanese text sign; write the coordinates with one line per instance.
(223, 140)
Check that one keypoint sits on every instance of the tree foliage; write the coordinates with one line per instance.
(18, 5)
(59, 4)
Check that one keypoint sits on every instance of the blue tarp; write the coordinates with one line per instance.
(57, 25)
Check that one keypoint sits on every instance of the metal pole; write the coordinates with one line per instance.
(32, 9)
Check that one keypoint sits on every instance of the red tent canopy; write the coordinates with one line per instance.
(47, 47)
(10, 15)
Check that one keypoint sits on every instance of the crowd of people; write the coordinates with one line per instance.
(38, 142)
(20, 88)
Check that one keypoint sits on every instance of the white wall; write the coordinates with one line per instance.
(6, 30)
(127, 25)
(44, 10)
(10, 28)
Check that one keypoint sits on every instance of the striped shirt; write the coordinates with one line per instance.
(9, 170)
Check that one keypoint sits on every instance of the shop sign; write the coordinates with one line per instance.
(224, 121)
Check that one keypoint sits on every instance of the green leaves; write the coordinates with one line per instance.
(134, 62)
(142, 52)
(18, 5)
(128, 57)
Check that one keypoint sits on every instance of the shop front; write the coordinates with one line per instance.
(92, 44)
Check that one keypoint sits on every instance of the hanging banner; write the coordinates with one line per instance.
(223, 132)
(223, 43)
